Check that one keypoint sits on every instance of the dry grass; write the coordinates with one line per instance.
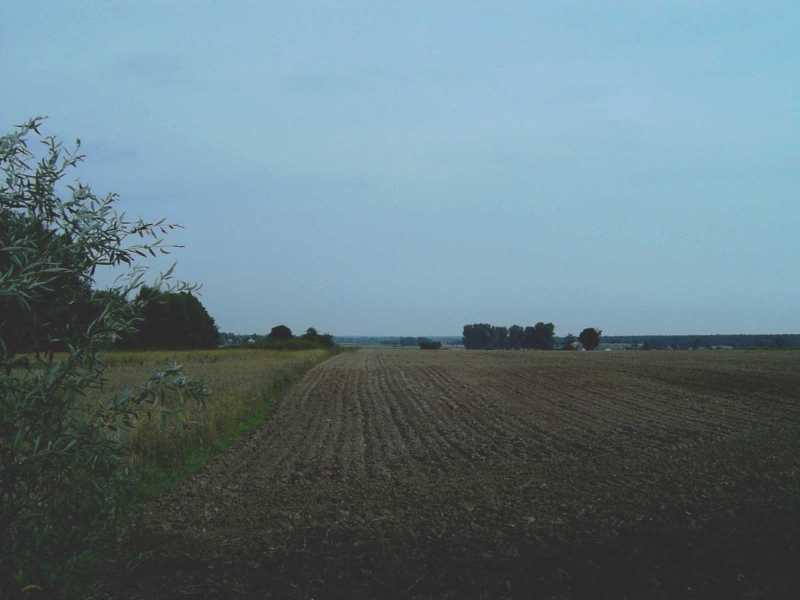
(242, 384)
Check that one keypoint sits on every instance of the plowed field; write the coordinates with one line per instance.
(414, 474)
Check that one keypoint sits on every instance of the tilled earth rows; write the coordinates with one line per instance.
(400, 473)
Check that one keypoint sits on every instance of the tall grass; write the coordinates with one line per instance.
(177, 434)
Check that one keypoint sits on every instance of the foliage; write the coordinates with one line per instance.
(478, 336)
(426, 344)
(324, 340)
(240, 382)
(590, 338)
(569, 342)
(310, 340)
(174, 320)
(57, 463)
(58, 313)
(280, 332)
(540, 336)
(490, 337)
(696, 342)
(516, 337)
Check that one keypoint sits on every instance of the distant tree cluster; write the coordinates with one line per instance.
(699, 342)
(322, 339)
(281, 337)
(425, 343)
(483, 336)
(428, 344)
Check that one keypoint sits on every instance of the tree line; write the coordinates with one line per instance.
(66, 307)
(279, 337)
(541, 336)
(483, 336)
(696, 342)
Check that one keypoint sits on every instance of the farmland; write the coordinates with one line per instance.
(404, 473)
(240, 383)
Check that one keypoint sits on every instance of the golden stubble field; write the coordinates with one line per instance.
(405, 473)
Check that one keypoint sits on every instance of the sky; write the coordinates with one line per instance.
(404, 168)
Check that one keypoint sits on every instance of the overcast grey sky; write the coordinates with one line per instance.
(404, 168)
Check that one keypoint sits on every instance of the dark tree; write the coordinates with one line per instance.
(478, 336)
(326, 340)
(312, 335)
(569, 342)
(528, 337)
(499, 338)
(484, 336)
(61, 311)
(540, 336)
(516, 335)
(175, 320)
(280, 332)
(590, 338)
(544, 334)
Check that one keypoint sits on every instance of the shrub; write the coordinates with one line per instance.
(426, 344)
(57, 462)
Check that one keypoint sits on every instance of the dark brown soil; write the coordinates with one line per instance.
(408, 474)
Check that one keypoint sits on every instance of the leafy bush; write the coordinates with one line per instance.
(58, 463)
(426, 344)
